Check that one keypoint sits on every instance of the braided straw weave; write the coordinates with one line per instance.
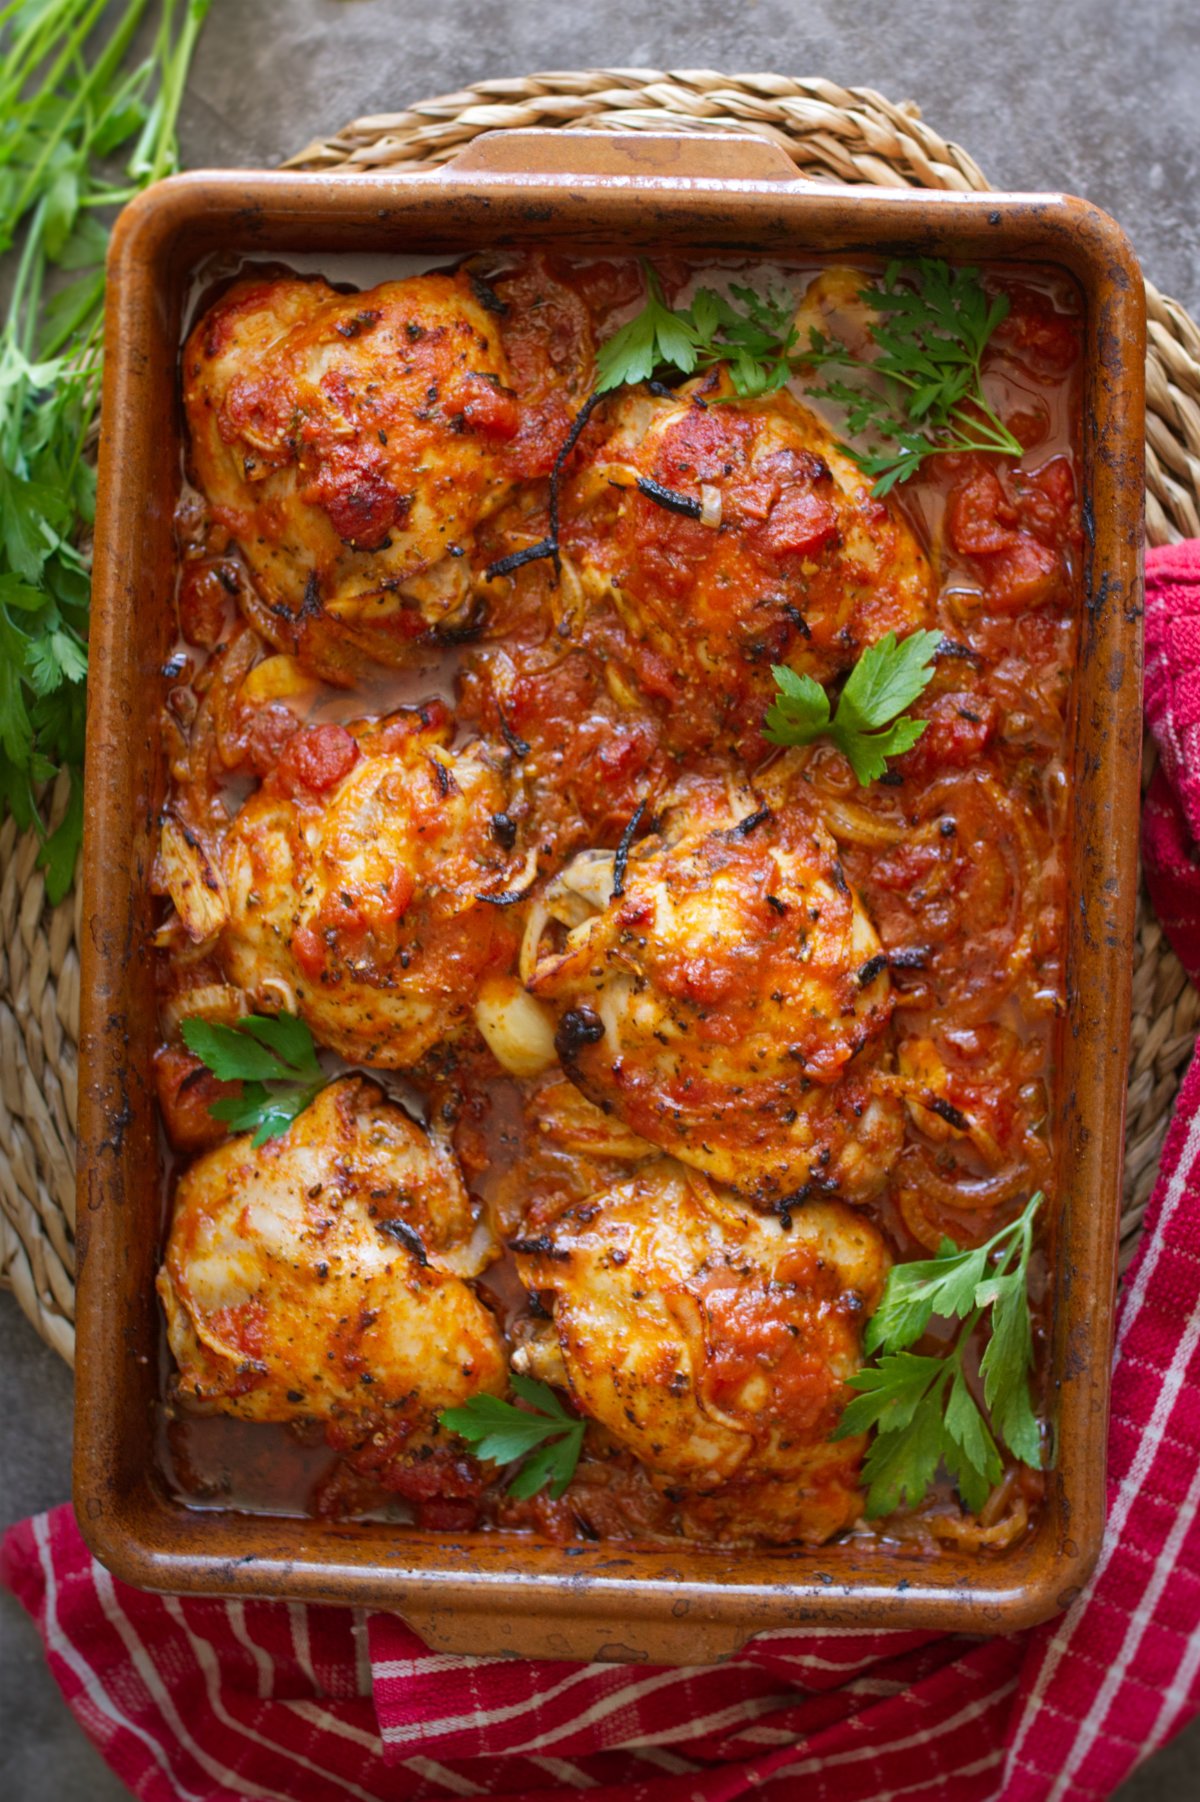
(850, 135)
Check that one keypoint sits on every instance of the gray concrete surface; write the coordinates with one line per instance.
(1094, 96)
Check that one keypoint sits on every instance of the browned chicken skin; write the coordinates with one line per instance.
(351, 443)
(322, 1275)
(724, 1003)
(350, 888)
(713, 1343)
(731, 535)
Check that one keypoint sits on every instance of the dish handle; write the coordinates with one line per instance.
(621, 155)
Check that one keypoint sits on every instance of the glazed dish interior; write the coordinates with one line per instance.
(648, 1046)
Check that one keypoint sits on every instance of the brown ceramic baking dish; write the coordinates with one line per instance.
(487, 1593)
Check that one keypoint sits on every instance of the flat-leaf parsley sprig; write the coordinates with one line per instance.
(752, 334)
(547, 1442)
(657, 337)
(888, 677)
(755, 341)
(923, 395)
(920, 1406)
(275, 1060)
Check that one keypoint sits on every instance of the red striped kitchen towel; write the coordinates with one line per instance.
(1171, 820)
(206, 1701)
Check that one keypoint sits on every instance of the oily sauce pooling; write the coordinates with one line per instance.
(468, 774)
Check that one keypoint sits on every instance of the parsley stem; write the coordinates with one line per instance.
(953, 1359)
(40, 33)
(22, 311)
(86, 396)
(998, 432)
(171, 92)
(1024, 1221)
(66, 114)
(84, 311)
(30, 251)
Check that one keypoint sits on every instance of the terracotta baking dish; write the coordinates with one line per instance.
(488, 1593)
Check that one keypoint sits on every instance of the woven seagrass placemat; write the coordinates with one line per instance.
(834, 134)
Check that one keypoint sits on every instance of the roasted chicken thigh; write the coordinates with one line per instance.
(322, 1274)
(713, 1343)
(724, 994)
(731, 535)
(353, 888)
(351, 443)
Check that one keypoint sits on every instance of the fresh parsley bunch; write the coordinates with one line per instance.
(887, 678)
(69, 103)
(920, 1405)
(275, 1060)
(923, 395)
(546, 1442)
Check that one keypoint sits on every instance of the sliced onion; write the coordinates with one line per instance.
(619, 686)
(710, 506)
(219, 1002)
(972, 1194)
(966, 1531)
(579, 1126)
(569, 600)
(278, 994)
(193, 883)
(535, 925)
(584, 888)
(858, 825)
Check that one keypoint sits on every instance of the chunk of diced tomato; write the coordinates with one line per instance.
(317, 758)
(185, 1092)
(979, 518)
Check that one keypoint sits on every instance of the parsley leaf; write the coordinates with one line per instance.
(919, 394)
(921, 1406)
(969, 1451)
(655, 337)
(915, 1292)
(887, 678)
(900, 1465)
(62, 845)
(275, 1060)
(892, 1391)
(923, 394)
(916, 1431)
(548, 1440)
(755, 341)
